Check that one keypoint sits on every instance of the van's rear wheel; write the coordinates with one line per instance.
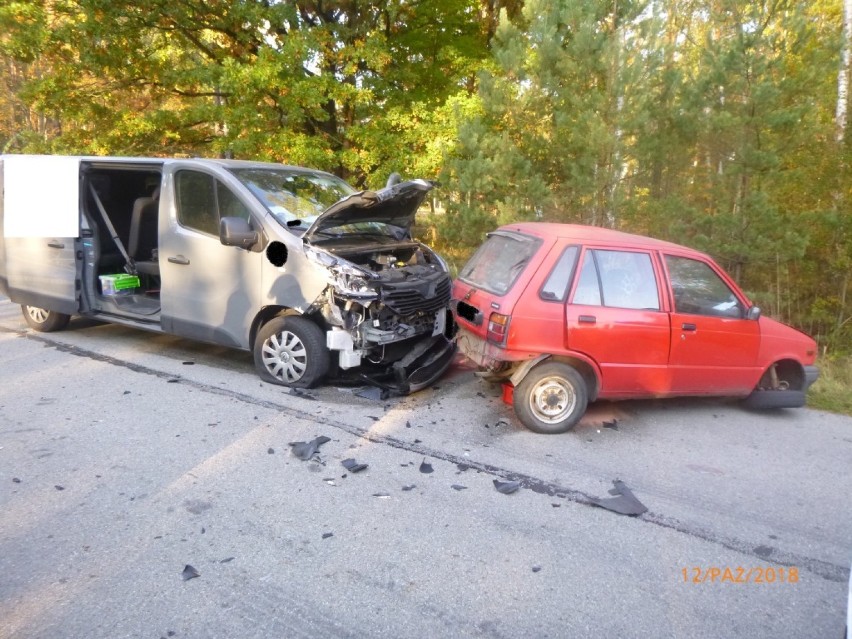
(551, 398)
(291, 351)
(44, 320)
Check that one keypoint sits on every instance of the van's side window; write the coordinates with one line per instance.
(556, 286)
(202, 200)
(620, 279)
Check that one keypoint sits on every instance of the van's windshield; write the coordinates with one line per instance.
(499, 261)
(294, 198)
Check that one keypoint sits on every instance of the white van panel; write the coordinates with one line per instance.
(41, 196)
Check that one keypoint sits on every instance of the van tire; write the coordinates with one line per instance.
(43, 320)
(291, 351)
(551, 398)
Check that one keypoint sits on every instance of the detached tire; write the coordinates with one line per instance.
(44, 321)
(291, 351)
(551, 399)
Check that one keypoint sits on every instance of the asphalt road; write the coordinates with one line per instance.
(126, 456)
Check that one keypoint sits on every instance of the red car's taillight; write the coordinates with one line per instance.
(498, 328)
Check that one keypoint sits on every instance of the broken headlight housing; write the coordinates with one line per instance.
(347, 278)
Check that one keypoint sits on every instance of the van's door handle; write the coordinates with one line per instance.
(56, 244)
(688, 327)
(587, 319)
(180, 259)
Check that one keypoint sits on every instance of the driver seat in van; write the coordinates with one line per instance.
(143, 240)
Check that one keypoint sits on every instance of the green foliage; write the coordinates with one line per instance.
(831, 391)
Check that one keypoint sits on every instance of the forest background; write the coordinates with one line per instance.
(719, 124)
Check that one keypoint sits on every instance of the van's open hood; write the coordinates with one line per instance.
(394, 205)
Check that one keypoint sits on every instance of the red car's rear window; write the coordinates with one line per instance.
(499, 261)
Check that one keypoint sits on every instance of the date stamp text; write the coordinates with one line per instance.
(740, 575)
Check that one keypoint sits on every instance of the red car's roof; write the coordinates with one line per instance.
(583, 233)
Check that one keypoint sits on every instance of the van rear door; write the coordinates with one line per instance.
(40, 216)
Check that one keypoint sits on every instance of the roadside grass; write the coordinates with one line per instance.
(833, 390)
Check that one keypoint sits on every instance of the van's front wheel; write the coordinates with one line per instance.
(291, 351)
(551, 398)
(43, 320)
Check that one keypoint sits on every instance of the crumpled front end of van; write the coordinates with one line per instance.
(387, 299)
(388, 313)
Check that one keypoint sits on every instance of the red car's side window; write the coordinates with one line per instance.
(620, 279)
(555, 287)
(698, 290)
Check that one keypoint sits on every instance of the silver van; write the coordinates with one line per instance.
(317, 279)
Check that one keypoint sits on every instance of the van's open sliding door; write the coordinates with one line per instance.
(40, 216)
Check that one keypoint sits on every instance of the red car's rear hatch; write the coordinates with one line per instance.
(485, 293)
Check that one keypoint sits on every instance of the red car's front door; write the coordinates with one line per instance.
(714, 348)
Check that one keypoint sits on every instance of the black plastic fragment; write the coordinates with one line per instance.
(506, 487)
(58, 487)
(270, 451)
(300, 393)
(189, 363)
(189, 573)
(624, 503)
(327, 535)
(306, 450)
(352, 466)
(408, 487)
(462, 467)
(536, 568)
(425, 468)
(374, 393)
(458, 487)
(613, 425)
(16, 480)
(226, 560)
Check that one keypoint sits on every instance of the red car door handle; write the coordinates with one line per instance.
(688, 327)
(587, 319)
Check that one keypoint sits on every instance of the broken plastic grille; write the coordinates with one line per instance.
(408, 301)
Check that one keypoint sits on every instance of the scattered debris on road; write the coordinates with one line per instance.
(506, 487)
(352, 466)
(306, 450)
(425, 468)
(373, 392)
(189, 573)
(624, 503)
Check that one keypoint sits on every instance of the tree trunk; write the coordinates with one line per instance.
(843, 75)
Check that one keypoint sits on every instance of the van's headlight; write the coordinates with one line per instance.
(347, 278)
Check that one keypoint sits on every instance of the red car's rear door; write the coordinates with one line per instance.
(616, 318)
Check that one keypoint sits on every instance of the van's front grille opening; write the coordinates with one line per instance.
(426, 297)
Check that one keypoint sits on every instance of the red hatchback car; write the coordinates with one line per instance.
(567, 314)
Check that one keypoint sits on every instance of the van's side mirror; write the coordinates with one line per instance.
(235, 231)
(753, 313)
